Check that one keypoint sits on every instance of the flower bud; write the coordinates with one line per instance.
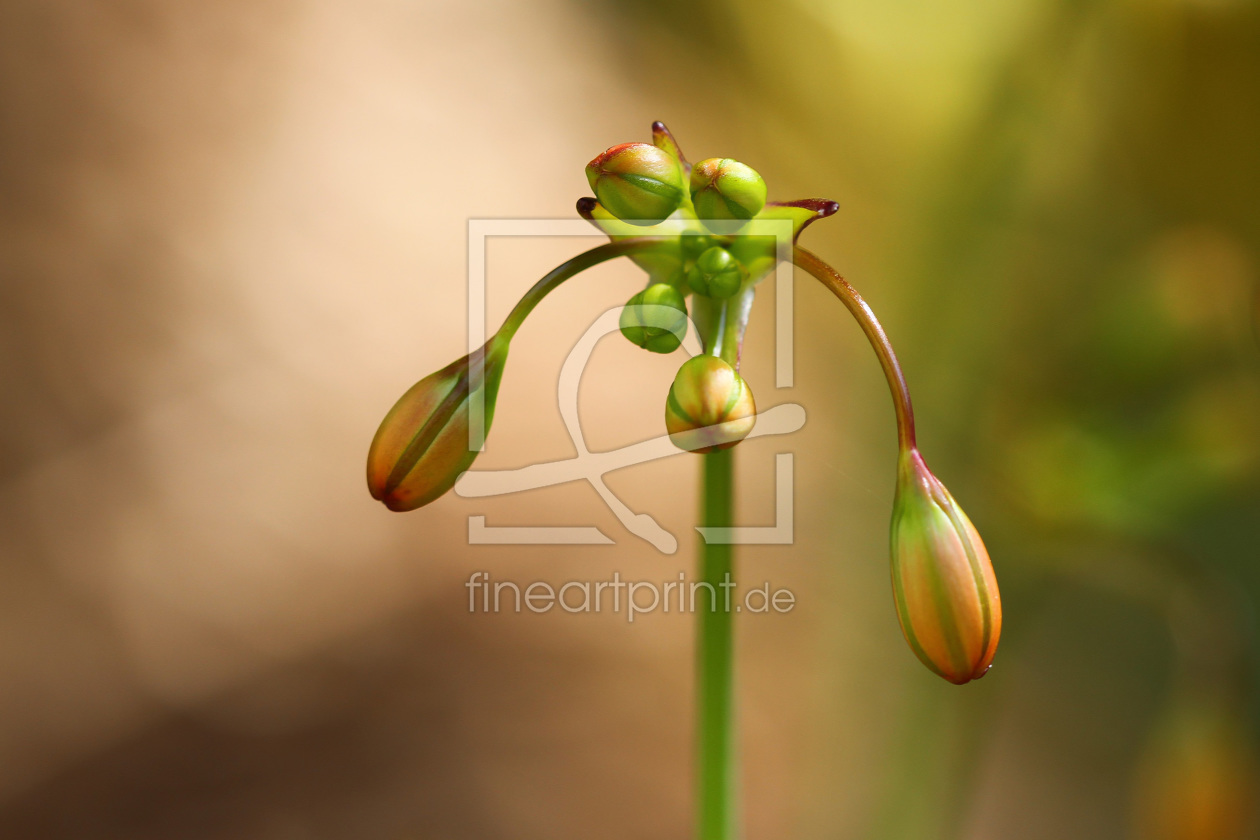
(710, 407)
(716, 274)
(637, 182)
(726, 190)
(656, 318)
(943, 582)
(695, 244)
(421, 446)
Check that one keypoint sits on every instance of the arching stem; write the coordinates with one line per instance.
(874, 334)
(569, 268)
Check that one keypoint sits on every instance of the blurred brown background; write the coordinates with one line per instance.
(232, 234)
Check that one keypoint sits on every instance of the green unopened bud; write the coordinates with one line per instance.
(637, 182)
(421, 446)
(726, 190)
(716, 274)
(943, 582)
(695, 244)
(710, 407)
(656, 318)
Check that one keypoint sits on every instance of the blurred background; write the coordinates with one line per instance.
(232, 234)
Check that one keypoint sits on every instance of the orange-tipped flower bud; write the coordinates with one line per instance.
(943, 582)
(421, 446)
(637, 182)
(716, 274)
(656, 318)
(726, 190)
(710, 407)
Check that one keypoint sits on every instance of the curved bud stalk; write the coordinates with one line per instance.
(760, 254)
(943, 582)
(709, 407)
(663, 264)
(421, 446)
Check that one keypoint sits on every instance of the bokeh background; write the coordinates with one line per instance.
(231, 234)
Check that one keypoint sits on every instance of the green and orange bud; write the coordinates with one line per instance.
(422, 445)
(637, 182)
(726, 190)
(656, 318)
(943, 582)
(716, 273)
(709, 407)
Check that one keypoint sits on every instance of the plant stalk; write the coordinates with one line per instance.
(874, 334)
(715, 713)
(566, 270)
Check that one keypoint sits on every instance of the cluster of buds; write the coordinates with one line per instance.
(699, 210)
(686, 226)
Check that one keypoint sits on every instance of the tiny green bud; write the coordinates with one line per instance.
(695, 244)
(421, 446)
(656, 318)
(726, 190)
(943, 582)
(637, 182)
(709, 407)
(716, 274)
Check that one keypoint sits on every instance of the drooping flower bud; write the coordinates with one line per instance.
(656, 318)
(709, 407)
(943, 582)
(637, 182)
(726, 190)
(716, 274)
(422, 445)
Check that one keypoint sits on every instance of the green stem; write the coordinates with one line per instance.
(874, 334)
(720, 334)
(567, 269)
(738, 310)
(715, 730)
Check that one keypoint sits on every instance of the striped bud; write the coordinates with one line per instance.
(421, 446)
(637, 182)
(710, 407)
(716, 274)
(943, 582)
(656, 318)
(726, 190)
